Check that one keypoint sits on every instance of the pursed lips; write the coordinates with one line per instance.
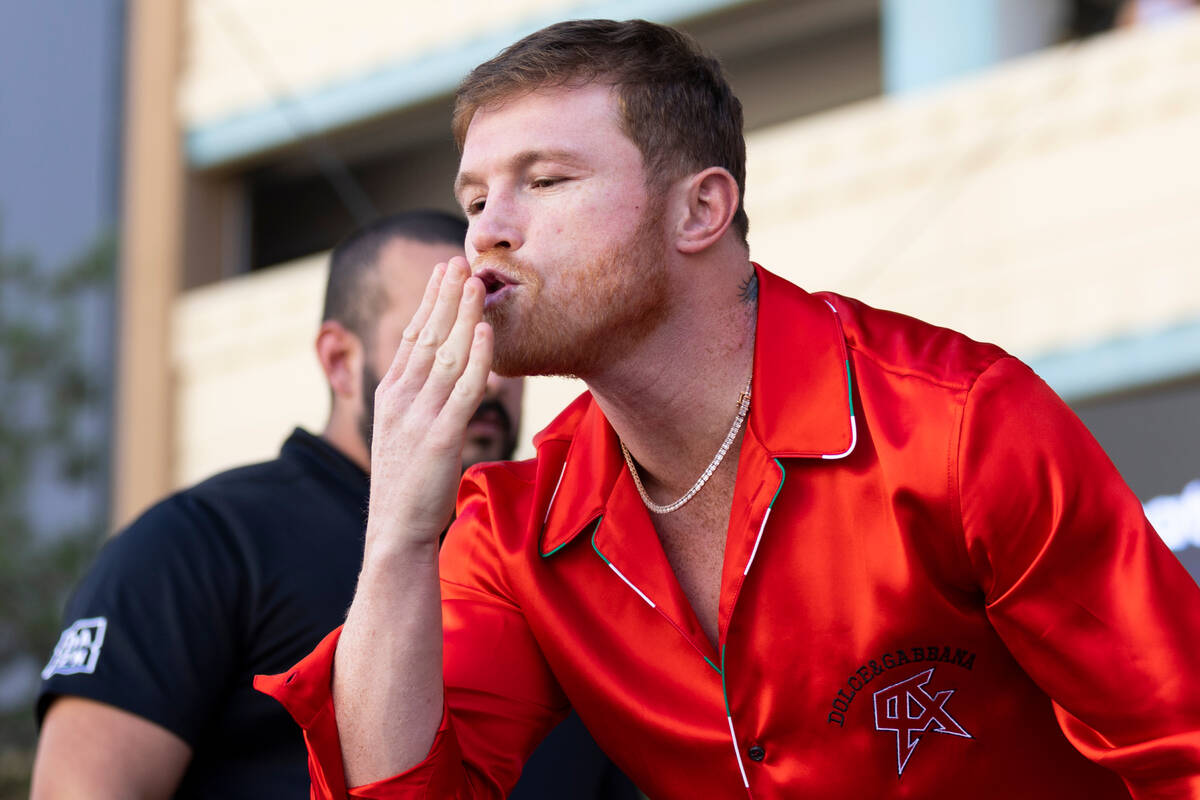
(494, 284)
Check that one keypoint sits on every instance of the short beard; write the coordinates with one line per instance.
(609, 306)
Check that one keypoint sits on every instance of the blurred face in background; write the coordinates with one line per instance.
(404, 268)
(492, 432)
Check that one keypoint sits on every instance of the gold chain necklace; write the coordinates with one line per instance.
(743, 407)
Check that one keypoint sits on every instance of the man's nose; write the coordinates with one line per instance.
(495, 226)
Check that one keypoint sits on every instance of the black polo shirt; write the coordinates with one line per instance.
(240, 575)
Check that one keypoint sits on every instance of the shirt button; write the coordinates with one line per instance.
(756, 753)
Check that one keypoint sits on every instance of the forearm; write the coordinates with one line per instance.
(387, 671)
(387, 679)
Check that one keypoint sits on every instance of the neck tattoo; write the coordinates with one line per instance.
(743, 407)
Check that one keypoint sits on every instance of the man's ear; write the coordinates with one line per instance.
(709, 203)
(341, 355)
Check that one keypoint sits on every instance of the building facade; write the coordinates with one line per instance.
(971, 163)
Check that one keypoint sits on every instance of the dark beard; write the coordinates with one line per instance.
(509, 444)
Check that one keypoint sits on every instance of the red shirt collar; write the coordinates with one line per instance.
(801, 408)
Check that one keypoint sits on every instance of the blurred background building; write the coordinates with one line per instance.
(989, 165)
(1024, 171)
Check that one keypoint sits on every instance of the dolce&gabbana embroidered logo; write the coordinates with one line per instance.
(909, 711)
(888, 661)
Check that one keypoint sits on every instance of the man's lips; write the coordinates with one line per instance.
(493, 280)
(498, 282)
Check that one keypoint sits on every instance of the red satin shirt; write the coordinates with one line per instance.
(935, 585)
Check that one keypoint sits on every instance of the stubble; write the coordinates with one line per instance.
(594, 315)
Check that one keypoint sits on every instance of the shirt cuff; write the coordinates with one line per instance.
(305, 691)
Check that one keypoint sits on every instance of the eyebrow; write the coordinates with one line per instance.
(520, 161)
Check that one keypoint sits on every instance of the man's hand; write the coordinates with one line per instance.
(422, 406)
(387, 679)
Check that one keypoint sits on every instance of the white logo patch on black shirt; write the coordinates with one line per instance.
(78, 648)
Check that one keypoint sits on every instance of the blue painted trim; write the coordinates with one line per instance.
(927, 42)
(1123, 364)
(407, 83)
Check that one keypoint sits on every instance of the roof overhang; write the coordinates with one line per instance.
(346, 103)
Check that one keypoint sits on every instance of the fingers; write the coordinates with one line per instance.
(465, 394)
(438, 342)
(454, 356)
(413, 330)
(440, 371)
(472, 384)
(451, 357)
(430, 326)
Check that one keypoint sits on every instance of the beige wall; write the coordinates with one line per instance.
(245, 368)
(243, 53)
(1049, 203)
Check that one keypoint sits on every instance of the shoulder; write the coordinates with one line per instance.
(499, 494)
(191, 510)
(247, 484)
(192, 529)
(176, 524)
(268, 505)
(905, 347)
(178, 542)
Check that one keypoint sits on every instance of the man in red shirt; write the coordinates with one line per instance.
(907, 570)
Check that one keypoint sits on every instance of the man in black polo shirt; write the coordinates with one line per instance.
(148, 692)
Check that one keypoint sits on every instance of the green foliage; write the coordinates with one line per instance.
(49, 390)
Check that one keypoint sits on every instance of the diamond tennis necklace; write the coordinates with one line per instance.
(743, 407)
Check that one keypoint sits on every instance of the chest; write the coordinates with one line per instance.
(828, 619)
(693, 540)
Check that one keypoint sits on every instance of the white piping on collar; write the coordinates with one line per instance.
(550, 505)
(853, 424)
(853, 442)
(737, 751)
(757, 541)
(629, 583)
